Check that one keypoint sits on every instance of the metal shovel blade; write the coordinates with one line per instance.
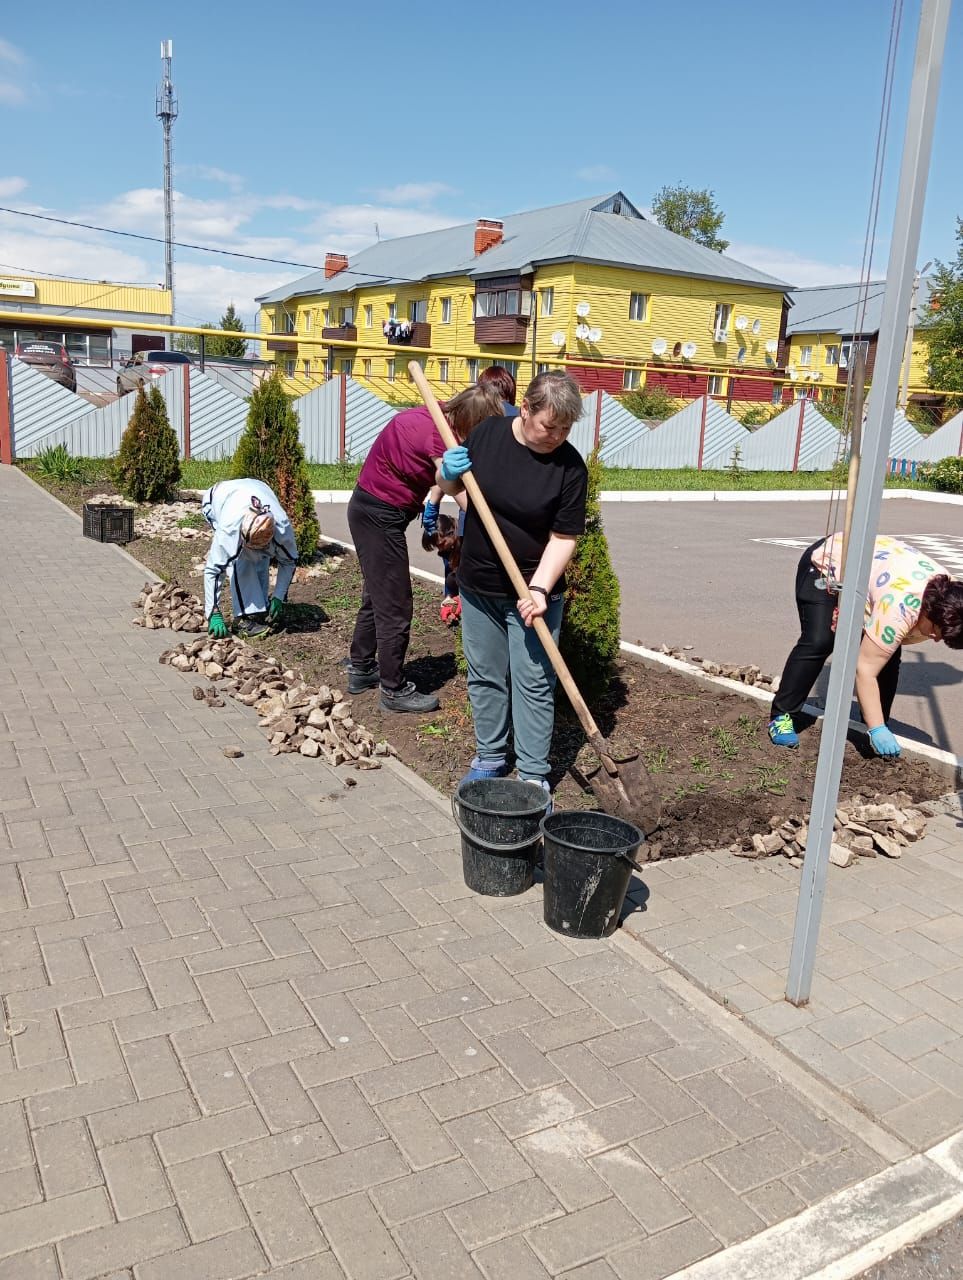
(624, 789)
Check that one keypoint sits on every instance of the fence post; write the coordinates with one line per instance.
(187, 411)
(343, 417)
(6, 431)
(598, 417)
(702, 429)
(799, 434)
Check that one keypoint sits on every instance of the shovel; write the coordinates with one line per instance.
(622, 786)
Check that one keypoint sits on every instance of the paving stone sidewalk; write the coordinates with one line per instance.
(255, 1024)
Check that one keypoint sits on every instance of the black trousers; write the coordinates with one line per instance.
(815, 644)
(383, 626)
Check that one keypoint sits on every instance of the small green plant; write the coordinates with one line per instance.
(700, 764)
(434, 730)
(56, 462)
(755, 416)
(653, 403)
(946, 476)
(347, 470)
(768, 778)
(147, 468)
(657, 761)
(735, 469)
(193, 521)
(748, 727)
(725, 741)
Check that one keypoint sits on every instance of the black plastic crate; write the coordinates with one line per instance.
(104, 523)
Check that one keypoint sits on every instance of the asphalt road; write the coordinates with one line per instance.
(697, 573)
(938, 1257)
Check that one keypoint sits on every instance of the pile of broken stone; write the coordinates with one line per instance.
(747, 674)
(863, 827)
(166, 605)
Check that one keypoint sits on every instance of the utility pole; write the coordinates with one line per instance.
(904, 245)
(166, 112)
(910, 327)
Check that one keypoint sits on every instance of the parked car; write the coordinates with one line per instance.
(145, 367)
(49, 358)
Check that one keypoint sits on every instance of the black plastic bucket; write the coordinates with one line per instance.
(588, 860)
(500, 834)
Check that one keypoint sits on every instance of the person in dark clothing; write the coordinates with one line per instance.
(391, 488)
(536, 485)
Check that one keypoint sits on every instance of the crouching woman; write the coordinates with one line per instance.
(535, 483)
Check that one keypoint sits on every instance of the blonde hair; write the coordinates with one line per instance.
(465, 410)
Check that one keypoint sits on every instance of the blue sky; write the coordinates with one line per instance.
(303, 126)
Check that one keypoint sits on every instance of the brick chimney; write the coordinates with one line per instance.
(333, 263)
(488, 232)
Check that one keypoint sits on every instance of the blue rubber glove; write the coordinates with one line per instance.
(429, 517)
(455, 462)
(883, 742)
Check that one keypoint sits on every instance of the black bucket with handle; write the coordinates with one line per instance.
(500, 834)
(588, 861)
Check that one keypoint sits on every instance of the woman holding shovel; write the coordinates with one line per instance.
(536, 484)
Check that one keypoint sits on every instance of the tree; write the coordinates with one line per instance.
(590, 628)
(147, 466)
(270, 450)
(942, 330)
(690, 213)
(217, 345)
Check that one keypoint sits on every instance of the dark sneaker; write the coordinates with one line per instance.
(361, 678)
(252, 626)
(407, 698)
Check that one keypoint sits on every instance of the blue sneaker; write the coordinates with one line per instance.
(782, 732)
(543, 783)
(479, 770)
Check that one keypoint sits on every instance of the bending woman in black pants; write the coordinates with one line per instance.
(910, 598)
(394, 481)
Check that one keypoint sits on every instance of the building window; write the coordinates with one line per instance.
(547, 301)
(511, 366)
(472, 369)
(307, 322)
(720, 325)
(289, 367)
(630, 379)
(420, 361)
(366, 368)
(847, 352)
(289, 326)
(392, 311)
(544, 368)
(307, 368)
(503, 302)
(442, 370)
(806, 356)
(329, 365)
(716, 384)
(832, 355)
(369, 316)
(327, 317)
(345, 316)
(777, 395)
(346, 366)
(446, 311)
(418, 311)
(638, 306)
(390, 366)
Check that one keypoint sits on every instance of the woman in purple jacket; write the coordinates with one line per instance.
(393, 484)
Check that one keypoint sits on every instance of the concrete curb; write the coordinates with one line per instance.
(843, 1235)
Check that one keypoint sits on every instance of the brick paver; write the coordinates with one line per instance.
(254, 1023)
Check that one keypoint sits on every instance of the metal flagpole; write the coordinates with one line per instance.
(917, 145)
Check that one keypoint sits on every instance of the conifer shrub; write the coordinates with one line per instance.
(147, 467)
(270, 450)
(590, 628)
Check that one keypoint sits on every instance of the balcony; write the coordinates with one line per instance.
(283, 343)
(504, 331)
(340, 333)
(409, 333)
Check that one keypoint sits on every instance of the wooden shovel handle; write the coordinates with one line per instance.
(508, 562)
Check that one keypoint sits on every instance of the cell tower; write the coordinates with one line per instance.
(167, 113)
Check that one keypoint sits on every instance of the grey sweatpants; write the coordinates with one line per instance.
(511, 683)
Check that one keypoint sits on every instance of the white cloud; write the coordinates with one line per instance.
(348, 228)
(12, 187)
(210, 173)
(10, 53)
(11, 95)
(414, 192)
(596, 173)
(794, 268)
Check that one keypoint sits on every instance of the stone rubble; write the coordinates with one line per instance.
(295, 717)
(863, 828)
(167, 605)
(748, 674)
(160, 519)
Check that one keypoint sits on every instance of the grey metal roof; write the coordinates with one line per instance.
(834, 308)
(583, 230)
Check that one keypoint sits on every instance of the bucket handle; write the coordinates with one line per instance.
(487, 844)
(624, 857)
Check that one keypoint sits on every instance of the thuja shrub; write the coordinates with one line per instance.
(147, 467)
(590, 627)
(270, 449)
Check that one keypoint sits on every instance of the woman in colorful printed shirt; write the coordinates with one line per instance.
(910, 599)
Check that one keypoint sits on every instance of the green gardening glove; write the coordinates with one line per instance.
(216, 626)
(276, 612)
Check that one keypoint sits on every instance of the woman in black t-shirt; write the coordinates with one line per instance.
(535, 483)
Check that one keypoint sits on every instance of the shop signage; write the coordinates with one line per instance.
(17, 289)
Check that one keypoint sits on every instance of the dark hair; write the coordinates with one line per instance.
(465, 410)
(444, 540)
(501, 380)
(557, 391)
(943, 606)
